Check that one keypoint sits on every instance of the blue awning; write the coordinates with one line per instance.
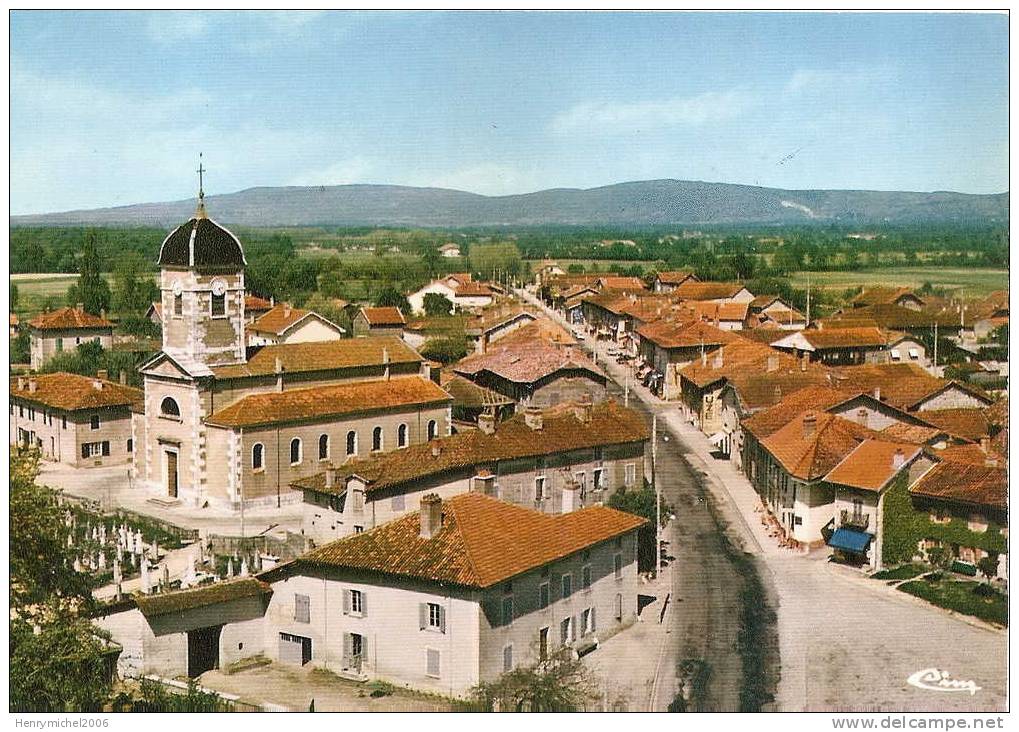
(850, 540)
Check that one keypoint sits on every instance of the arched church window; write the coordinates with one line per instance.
(295, 451)
(352, 443)
(377, 439)
(433, 429)
(169, 408)
(323, 447)
(257, 455)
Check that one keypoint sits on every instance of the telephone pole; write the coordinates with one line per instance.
(658, 495)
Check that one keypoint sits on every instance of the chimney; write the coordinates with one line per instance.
(486, 423)
(533, 418)
(861, 416)
(431, 515)
(330, 476)
(898, 459)
(778, 393)
(21, 383)
(32, 385)
(582, 409)
(277, 368)
(804, 358)
(704, 358)
(436, 450)
(102, 313)
(97, 384)
(286, 311)
(103, 374)
(772, 363)
(272, 300)
(385, 360)
(877, 393)
(985, 444)
(809, 424)
(123, 376)
(80, 307)
(571, 496)
(719, 358)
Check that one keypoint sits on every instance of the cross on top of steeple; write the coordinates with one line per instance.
(200, 213)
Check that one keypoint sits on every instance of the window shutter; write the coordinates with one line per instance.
(346, 602)
(594, 625)
(348, 646)
(106, 448)
(422, 615)
(364, 604)
(573, 628)
(442, 619)
(84, 450)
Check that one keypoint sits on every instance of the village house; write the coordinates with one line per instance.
(555, 460)
(909, 387)
(860, 483)
(287, 324)
(534, 371)
(439, 600)
(666, 282)
(490, 325)
(900, 296)
(78, 420)
(850, 346)
(450, 250)
(547, 270)
(965, 504)
(713, 291)
(770, 311)
(896, 318)
(723, 315)
(66, 329)
(378, 321)
(471, 400)
(14, 327)
(668, 346)
(459, 288)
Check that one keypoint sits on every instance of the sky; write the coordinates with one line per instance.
(112, 108)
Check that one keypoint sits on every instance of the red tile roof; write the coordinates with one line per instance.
(903, 385)
(253, 303)
(561, 432)
(677, 277)
(72, 392)
(621, 283)
(278, 319)
(849, 337)
(68, 318)
(668, 334)
(731, 311)
(810, 455)
(344, 353)
(917, 434)
(739, 356)
(968, 483)
(970, 424)
(324, 402)
(383, 316)
(790, 405)
(690, 290)
(165, 603)
(882, 295)
(483, 541)
(526, 361)
(873, 464)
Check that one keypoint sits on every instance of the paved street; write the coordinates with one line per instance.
(845, 642)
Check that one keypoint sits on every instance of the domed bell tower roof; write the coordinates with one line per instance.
(201, 242)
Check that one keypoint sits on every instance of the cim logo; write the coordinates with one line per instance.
(933, 679)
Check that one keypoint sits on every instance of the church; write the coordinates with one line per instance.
(230, 426)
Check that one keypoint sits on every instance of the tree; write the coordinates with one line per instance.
(91, 290)
(390, 297)
(20, 347)
(988, 567)
(437, 305)
(14, 297)
(495, 260)
(445, 350)
(940, 558)
(57, 658)
(642, 503)
(133, 291)
(559, 683)
(431, 259)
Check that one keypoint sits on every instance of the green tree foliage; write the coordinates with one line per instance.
(14, 297)
(21, 347)
(91, 290)
(89, 357)
(642, 503)
(133, 289)
(329, 309)
(575, 268)
(988, 566)
(446, 350)
(390, 297)
(560, 683)
(57, 658)
(437, 305)
(495, 261)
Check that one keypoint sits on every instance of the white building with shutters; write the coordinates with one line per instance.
(456, 593)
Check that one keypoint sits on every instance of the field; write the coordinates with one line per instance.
(969, 282)
(35, 289)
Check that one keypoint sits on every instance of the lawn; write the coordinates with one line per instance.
(35, 288)
(960, 596)
(969, 282)
(906, 571)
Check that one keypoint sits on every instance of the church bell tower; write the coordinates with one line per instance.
(201, 281)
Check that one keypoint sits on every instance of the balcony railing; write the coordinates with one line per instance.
(854, 520)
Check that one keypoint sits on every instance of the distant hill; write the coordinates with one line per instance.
(640, 202)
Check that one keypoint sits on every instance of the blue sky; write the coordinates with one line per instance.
(112, 108)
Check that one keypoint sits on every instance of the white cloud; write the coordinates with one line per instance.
(694, 110)
(807, 80)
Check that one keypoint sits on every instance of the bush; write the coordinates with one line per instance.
(642, 503)
(445, 350)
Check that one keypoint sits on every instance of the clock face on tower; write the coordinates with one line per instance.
(218, 287)
(177, 289)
